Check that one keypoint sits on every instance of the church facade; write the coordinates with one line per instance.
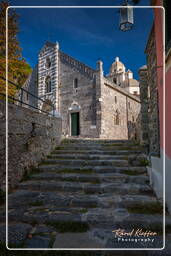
(90, 104)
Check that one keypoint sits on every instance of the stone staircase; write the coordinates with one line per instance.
(84, 191)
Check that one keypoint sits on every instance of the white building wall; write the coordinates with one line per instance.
(156, 173)
(133, 89)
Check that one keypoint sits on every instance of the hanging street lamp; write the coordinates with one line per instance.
(126, 17)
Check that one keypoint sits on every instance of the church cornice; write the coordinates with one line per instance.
(88, 71)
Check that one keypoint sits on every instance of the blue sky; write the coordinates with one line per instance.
(86, 34)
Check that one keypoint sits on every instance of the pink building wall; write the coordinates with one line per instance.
(158, 21)
(158, 26)
(157, 163)
(168, 113)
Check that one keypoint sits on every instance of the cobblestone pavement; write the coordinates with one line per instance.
(82, 196)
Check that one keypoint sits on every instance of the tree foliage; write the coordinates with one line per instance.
(18, 69)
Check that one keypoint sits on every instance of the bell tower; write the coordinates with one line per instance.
(48, 76)
(117, 72)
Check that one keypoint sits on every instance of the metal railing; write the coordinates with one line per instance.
(20, 99)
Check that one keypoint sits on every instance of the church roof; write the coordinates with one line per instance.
(143, 67)
(50, 44)
(120, 89)
(47, 44)
(131, 83)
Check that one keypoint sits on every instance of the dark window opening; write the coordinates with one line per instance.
(115, 99)
(48, 84)
(75, 83)
(48, 62)
(114, 80)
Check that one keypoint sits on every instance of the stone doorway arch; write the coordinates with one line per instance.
(74, 119)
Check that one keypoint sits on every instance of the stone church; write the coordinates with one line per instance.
(90, 103)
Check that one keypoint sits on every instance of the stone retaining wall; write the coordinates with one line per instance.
(31, 136)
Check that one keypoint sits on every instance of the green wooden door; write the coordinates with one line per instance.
(74, 124)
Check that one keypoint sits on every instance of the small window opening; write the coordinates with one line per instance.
(75, 83)
(117, 118)
(114, 80)
(48, 84)
(115, 99)
(48, 62)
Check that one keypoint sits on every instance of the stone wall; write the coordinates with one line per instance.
(31, 136)
(144, 118)
(81, 99)
(154, 135)
(94, 99)
(117, 101)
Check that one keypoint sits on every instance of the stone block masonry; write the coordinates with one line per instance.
(120, 112)
(31, 136)
(91, 104)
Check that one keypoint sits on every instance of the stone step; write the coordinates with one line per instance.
(117, 216)
(92, 178)
(100, 145)
(21, 200)
(24, 199)
(96, 152)
(77, 240)
(105, 239)
(90, 169)
(133, 200)
(116, 187)
(107, 218)
(83, 162)
(102, 148)
(94, 238)
(97, 141)
(153, 221)
(84, 190)
(28, 198)
(89, 156)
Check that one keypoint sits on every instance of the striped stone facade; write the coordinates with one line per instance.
(48, 52)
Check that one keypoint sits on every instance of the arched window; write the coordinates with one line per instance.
(48, 84)
(75, 83)
(48, 62)
(117, 118)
